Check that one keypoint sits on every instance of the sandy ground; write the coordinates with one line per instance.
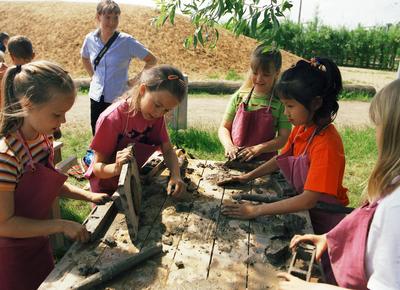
(207, 112)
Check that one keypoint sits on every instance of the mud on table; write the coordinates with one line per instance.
(202, 248)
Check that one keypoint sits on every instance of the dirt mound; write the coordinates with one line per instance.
(57, 30)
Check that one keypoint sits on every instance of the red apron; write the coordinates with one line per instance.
(26, 262)
(347, 244)
(142, 153)
(253, 127)
(295, 170)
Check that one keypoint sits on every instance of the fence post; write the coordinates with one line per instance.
(179, 114)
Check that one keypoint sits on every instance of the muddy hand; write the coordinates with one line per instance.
(233, 181)
(100, 198)
(237, 210)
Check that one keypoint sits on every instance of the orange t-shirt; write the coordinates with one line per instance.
(327, 161)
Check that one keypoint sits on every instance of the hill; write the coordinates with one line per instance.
(57, 30)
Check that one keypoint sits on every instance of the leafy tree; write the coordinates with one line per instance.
(253, 18)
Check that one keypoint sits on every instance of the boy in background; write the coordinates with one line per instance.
(21, 51)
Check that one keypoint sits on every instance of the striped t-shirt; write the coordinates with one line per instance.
(14, 158)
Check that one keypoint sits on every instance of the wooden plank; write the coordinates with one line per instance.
(166, 227)
(65, 165)
(229, 260)
(130, 192)
(192, 255)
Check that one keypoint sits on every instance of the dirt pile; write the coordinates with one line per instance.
(57, 30)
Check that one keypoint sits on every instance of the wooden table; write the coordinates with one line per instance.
(202, 248)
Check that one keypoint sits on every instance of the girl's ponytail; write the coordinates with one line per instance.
(330, 94)
(11, 116)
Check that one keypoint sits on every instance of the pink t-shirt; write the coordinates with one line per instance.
(115, 122)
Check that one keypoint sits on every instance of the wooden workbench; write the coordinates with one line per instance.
(202, 248)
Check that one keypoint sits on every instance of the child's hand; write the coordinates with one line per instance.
(176, 187)
(75, 231)
(290, 282)
(233, 181)
(248, 153)
(231, 152)
(122, 157)
(241, 211)
(319, 242)
(99, 198)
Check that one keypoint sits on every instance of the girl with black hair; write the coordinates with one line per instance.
(312, 160)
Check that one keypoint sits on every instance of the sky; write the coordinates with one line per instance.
(335, 13)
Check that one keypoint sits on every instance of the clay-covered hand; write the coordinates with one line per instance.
(176, 187)
(232, 151)
(319, 242)
(99, 198)
(239, 210)
(122, 157)
(248, 153)
(290, 282)
(75, 231)
(233, 181)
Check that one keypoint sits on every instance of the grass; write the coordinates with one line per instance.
(232, 75)
(359, 143)
(355, 96)
(361, 153)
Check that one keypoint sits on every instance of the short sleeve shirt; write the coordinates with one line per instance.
(327, 160)
(110, 78)
(116, 121)
(14, 158)
(257, 102)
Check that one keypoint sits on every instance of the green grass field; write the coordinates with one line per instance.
(359, 143)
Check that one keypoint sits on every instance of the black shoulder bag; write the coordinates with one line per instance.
(105, 48)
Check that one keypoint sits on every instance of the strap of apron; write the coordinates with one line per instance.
(246, 100)
(26, 147)
(309, 141)
(270, 101)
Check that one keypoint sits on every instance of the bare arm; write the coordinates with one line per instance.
(304, 201)
(150, 61)
(88, 66)
(172, 163)
(300, 202)
(225, 137)
(20, 227)
(290, 282)
(106, 168)
(74, 192)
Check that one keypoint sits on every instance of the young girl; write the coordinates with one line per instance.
(313, 160)
(109, 69)
(137, 118)
(253, 116)
(364, 248)
(36, 98)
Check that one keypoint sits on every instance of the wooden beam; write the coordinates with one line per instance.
(130, 192)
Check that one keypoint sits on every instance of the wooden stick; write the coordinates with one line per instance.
(111, 271)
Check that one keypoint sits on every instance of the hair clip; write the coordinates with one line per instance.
(172, 77)
(314, 62)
